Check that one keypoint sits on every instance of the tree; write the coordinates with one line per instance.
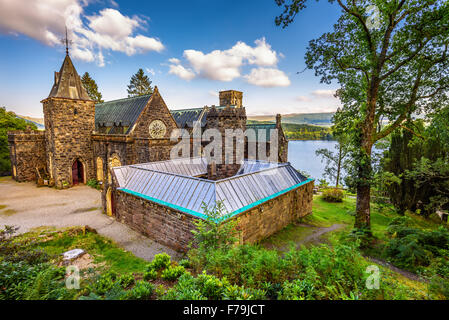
(91, 87)
(9, 122)
(139, 85)
(334, 161)
(389, 65)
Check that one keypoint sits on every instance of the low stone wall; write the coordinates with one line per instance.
(173, 228)
(162, 224)
(273, 215)
(27, 151)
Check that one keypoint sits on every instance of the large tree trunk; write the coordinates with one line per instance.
(362, 217)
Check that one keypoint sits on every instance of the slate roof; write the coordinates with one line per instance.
(185, 118)
(68, 83)
(174, 187)
(122, 112)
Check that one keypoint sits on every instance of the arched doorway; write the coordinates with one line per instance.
(77, 172)
(110, 205)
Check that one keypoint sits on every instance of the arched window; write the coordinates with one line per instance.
(99, 169)
(114, 161)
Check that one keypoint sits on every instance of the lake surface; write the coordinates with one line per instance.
(301, 155)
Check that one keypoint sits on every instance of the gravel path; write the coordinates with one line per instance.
(26, 206)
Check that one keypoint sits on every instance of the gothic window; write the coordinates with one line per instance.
(99, 169)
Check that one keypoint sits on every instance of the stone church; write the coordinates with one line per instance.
(83, 141)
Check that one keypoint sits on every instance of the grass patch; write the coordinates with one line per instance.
(8, 212)
(2, 206)
(103, 250)
(292, 233)
(5, 178)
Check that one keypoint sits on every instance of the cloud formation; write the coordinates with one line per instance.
(109, 29)
(226, 65)
(324, 93)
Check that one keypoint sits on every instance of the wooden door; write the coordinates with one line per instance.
(75, 173)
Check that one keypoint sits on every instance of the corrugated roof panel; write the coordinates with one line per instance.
(259, 181)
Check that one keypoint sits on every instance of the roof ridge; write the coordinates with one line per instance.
(189, 109)
(122, 99)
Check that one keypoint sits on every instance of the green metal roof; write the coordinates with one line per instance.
(122, 112)
(258, 128)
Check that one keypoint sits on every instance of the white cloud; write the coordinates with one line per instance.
(213, 93)
(225, 65)
(303, 99)
(180, 71)
(324, 93)
(111, 22)
(109, 29)
(150, 71)
(174, 61)
(268, 77)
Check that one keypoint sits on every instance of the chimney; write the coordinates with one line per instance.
(231, 98)
(278, 120)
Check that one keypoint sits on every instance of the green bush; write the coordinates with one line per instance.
(333, 195)
(150, 275)
(93, 184)
(126, 280)
(160, 261)
(172, 273)
(411, 248)
(141, 291)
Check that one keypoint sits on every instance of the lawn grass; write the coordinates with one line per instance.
(104, 251)
(292, 233)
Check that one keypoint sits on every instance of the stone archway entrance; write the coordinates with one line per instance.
(77, 172)
(110, 205)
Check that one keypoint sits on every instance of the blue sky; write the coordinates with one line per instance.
(190, 50)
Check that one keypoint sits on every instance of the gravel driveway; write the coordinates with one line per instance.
(26, 206)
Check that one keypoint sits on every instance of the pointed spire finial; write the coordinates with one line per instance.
(66, 41)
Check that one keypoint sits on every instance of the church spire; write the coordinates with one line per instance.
(66, 41)
(68, 83)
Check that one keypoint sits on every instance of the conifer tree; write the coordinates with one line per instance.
(91, 87)
(139, 85)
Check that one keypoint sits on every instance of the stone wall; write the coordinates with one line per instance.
(173, 228)
(162, 224)
(69, 125)
(269, 217)
(27, 151)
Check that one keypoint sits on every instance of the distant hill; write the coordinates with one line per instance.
(39, 122)
(319, 119)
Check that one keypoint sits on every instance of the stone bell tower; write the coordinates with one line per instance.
(69, 116)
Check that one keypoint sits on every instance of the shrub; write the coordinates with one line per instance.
(93, 184)
(126, 280)
(172, 273)
(104, 283)
(150, 275)
(410, 247)
(333, 195)
(185, 289)
(160, 261)
(141, 291)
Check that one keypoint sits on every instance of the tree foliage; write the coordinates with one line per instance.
(91, 87)
(9, 122)
(335, 162)
(139, 85)
(386, 70)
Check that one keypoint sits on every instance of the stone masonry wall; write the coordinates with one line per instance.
(173, 228)
(162, 224)
(27, 151)
(264, 220)
(69, 125)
